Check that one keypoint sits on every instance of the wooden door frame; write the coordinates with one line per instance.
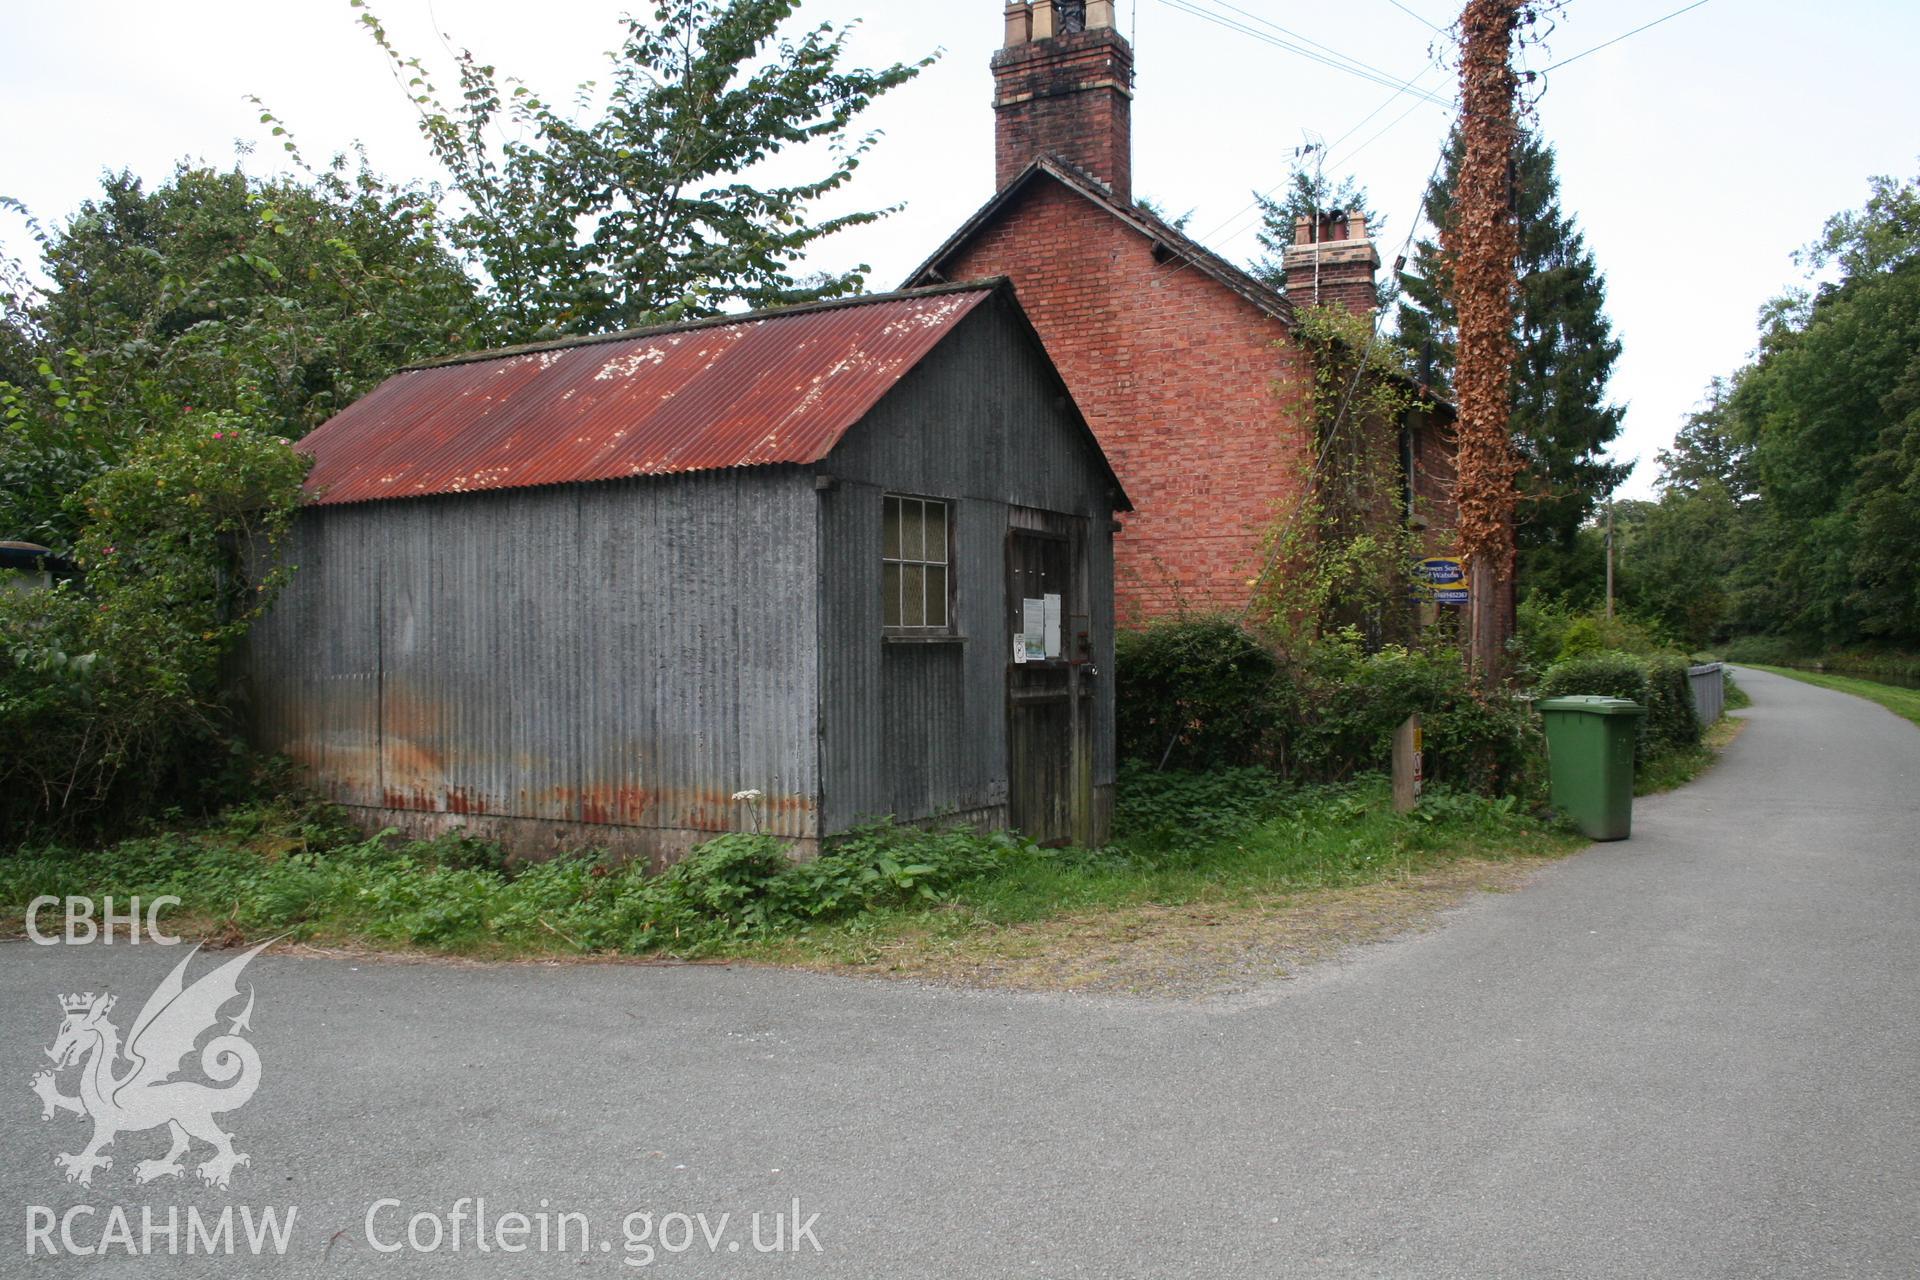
(1073, 531)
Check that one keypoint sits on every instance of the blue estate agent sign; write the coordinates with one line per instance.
(1442, 579)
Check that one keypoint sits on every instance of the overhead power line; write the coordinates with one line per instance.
(1397, 87)
(1346, 157)
(1269, 23)
(1333, 61)
(1386, 102)
(1231, 219)
(1438, 30)
(1176, 267)
(1617, 39)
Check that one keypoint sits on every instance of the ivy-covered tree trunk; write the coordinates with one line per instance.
(1480, 245)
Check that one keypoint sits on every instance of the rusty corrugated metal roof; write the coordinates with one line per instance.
(771, 387)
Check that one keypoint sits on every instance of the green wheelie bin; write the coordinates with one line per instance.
(1590, 761)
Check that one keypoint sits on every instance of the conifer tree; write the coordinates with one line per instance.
(1562, 418)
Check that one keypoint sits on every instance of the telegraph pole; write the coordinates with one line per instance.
(1609, 559)
(1482, 243)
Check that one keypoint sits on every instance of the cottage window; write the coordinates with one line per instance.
(915, 559)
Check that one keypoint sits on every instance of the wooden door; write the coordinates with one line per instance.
(1042, 688)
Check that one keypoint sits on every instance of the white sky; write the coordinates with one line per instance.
(1696, 156)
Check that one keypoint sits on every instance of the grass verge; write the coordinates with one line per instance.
(1214, 944)
(1902, 702)
(1769, 652)
(1232, 856)
(1676, 768)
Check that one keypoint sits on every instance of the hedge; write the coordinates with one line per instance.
(1209, 694)
(1659, 684)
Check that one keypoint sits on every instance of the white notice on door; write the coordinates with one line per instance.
(1050, 622)
(1020, 646)
(1033, 625)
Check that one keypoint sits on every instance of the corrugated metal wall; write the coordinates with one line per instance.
(559, 666)
(916, 729)
(628, 654)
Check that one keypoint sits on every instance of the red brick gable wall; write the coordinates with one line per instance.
(1192, 390)
(1433, 480)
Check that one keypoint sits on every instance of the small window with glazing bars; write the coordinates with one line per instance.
(915, 572)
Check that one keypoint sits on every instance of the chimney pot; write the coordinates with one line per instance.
(1099, 14)
(1019, 23)
(1332, 261)
(1045, 21)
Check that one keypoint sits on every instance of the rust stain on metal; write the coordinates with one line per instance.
(616, 806)
(460, 800)
(420, 801)
(703, 809)
(775, 388)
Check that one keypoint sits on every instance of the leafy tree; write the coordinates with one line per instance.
(1562, 420)
(1573, 571)
(53, 440)
(214, 291)
(306, 293)
(1683, 561)
(1707, 450)
(186, 334)
(637, 206)
(112, 700)
(1308, 194)
(1830, 408)
(20, 338)
(1886, 562)
(149, 393)
(1689, 563)
(1790, 501)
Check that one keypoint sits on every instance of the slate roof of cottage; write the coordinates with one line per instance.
(1167, 239)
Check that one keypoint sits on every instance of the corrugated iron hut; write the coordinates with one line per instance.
(783, 571)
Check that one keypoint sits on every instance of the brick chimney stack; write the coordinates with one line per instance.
(1063, 87)
(1332, 261)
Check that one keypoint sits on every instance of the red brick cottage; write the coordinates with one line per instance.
(1184, 365)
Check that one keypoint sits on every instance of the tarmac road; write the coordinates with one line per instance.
(1692, 1054)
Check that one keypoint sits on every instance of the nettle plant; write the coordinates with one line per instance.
(1346, 550)
(111, 696)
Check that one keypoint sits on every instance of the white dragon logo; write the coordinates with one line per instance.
(145, 1096)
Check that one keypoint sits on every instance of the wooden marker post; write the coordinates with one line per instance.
(1407, 765)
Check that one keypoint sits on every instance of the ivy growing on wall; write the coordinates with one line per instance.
(1343, 553)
